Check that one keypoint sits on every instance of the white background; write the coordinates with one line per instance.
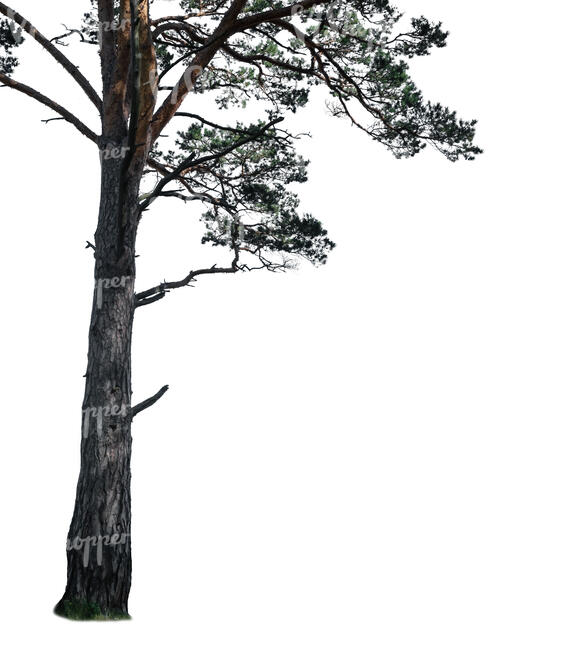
(367, 455)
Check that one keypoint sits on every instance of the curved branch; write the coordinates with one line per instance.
(274, 14)
(229, 25)
(46, 101)
(158, 292)
(174, 100)
(192, 161)
(55, 53)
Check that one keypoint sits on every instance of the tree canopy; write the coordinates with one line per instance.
(266, 56)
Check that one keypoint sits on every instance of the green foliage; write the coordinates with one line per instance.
(10, 38)
(244, 178)
(360, 51)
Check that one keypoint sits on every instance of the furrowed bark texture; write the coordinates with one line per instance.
(99, 550)
(99, 560)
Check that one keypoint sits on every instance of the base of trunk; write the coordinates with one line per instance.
(81, 610)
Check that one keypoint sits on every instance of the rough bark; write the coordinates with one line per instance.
(98, 547)
(99, 561)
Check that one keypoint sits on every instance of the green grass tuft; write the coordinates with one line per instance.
(81, 610)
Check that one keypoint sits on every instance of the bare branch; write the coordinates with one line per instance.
(147, 403)
(67, 115)
(55, 53)
(69, 32)
(158, 292)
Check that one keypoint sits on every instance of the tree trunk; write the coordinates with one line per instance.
(99, 545)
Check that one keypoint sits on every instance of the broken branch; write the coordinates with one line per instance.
(148, 402)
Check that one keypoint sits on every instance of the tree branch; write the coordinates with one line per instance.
(193, 196)
(184, 166)
(65, 114)
(229, 25)
(195, 116)
(158, 292)
(147, 403)
(174, 100)
(274, 14)
(55, 53)
(191, 161)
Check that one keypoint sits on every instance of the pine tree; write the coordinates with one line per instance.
(234, 53)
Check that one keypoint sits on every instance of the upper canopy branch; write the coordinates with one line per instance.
(274, 14)
(265, 57)
(55, 53)
(174, 100)
(228, 26)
